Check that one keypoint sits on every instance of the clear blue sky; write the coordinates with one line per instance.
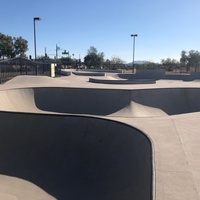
(164, 27)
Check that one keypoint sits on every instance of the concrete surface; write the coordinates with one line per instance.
(130, 103)
(122, 81)
(89, 73)
(50, 110)
(72, 157)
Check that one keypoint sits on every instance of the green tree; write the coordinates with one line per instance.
(194, 59)
(117, 60)
(184, 60)
(11, 46)
(93, 59)
(6, 46)
(149, 65)
(170, 64)
(67, 61)
(107, 64)
(114, 63)
(20, 46)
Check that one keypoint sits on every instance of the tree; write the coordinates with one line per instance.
(6, 46)
(148, 65)
(93, 58)
(92, 50)
(107, 64)
(184, 60)
(67, 61)
(11, 46)
(184, 57)
(20, 46)
(114, 63)
(117, 60)
(170, 64)
(194, 59)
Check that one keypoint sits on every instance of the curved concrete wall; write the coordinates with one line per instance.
(101, 70)
(89, 73)
(170, 100)
(102, 102)
(73, 157)
(81, 101)
(122, 81)
(144, 74)
(160, 74)
(106, 102)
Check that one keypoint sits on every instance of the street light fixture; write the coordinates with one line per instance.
(35, 19)
(133, 35)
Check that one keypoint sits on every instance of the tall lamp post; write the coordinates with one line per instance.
(35, 19)
(133, 35)
(57, 49)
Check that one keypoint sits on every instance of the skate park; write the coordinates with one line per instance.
(100, 136)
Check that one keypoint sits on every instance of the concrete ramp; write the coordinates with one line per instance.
(19, 100)
(138, 110)
(109, 101)
(172, 101)
(102, 102)
(73, 157)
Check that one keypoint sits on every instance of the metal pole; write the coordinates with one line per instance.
(56, 52)
(34, 37)
(133, 53)
(34, 19)
(134, 35)
(57, 48)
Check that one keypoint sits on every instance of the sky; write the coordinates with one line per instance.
(164, 27)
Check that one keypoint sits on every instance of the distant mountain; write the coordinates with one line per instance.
(139, 62)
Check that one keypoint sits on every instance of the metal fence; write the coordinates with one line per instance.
(21, 66)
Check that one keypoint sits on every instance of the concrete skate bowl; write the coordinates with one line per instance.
(124, 103)
(102, 102)
(75, 157)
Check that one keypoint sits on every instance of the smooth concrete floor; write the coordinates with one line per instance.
(175, 136)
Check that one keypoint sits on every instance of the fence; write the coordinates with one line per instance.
(21, 66)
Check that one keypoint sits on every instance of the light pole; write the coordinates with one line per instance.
(35, 19)
(57, 49)
(133, 35)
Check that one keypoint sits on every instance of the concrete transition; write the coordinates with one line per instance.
(129, 103)
(67, 138)
(73, 157)
(123, 81)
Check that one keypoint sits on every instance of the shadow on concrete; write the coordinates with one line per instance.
(73, 157)
(107, 102)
